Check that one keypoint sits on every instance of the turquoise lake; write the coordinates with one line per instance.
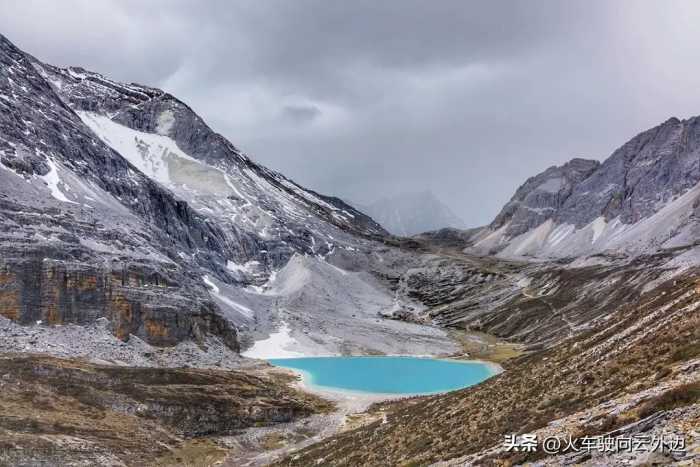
(387, 375)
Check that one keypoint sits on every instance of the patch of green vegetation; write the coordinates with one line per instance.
(484, 346)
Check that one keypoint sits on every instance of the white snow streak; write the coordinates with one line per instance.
(216, 292)
(598, 226)
(52, 179)
(211, 285)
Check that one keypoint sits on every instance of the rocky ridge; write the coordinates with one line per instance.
(643, 198)
(117, 199)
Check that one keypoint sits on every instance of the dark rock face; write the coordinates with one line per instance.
(648, 173)
(640, 177)
(541, 196)
(85, 234)
(137, 300)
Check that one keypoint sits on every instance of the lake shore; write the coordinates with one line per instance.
(353, 409)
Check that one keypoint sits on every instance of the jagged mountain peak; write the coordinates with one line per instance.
(640, 199)
(539, 198)
(107, 105)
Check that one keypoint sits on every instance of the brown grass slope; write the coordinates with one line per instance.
(635, 347)
(70, 412)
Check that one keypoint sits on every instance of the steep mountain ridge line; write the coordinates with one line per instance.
(187, 129)
(105, 218)
(641, 199)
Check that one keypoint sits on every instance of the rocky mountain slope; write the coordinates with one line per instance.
(412, 213)
(118, 201)
(643, 198)
(638, 367)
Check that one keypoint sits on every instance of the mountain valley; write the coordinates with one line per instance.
(148, 267)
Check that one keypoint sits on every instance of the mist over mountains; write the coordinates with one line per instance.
(409, 214)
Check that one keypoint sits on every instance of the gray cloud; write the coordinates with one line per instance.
(365, 99)
(301, 113)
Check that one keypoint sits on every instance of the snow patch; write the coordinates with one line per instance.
(275, 346)
(53, 179)
(247, 267)
(598, 226)
(146, 151)
(211, 285)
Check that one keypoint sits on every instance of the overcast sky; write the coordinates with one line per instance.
(365, 99)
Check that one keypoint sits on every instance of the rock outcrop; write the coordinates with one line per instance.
(137, 301)
(542, 196)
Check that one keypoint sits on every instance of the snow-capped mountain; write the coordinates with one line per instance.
(642, 199)
(412, 213)
(118, 201)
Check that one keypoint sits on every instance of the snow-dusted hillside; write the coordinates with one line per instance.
(117, 201)
(168, 142)
(644, 198)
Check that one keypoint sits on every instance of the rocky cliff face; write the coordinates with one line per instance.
(541, 196)
(139, 302)
(116, 200)
(652, 169)
(643, 198)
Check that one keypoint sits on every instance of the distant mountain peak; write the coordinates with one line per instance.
(412, 213)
